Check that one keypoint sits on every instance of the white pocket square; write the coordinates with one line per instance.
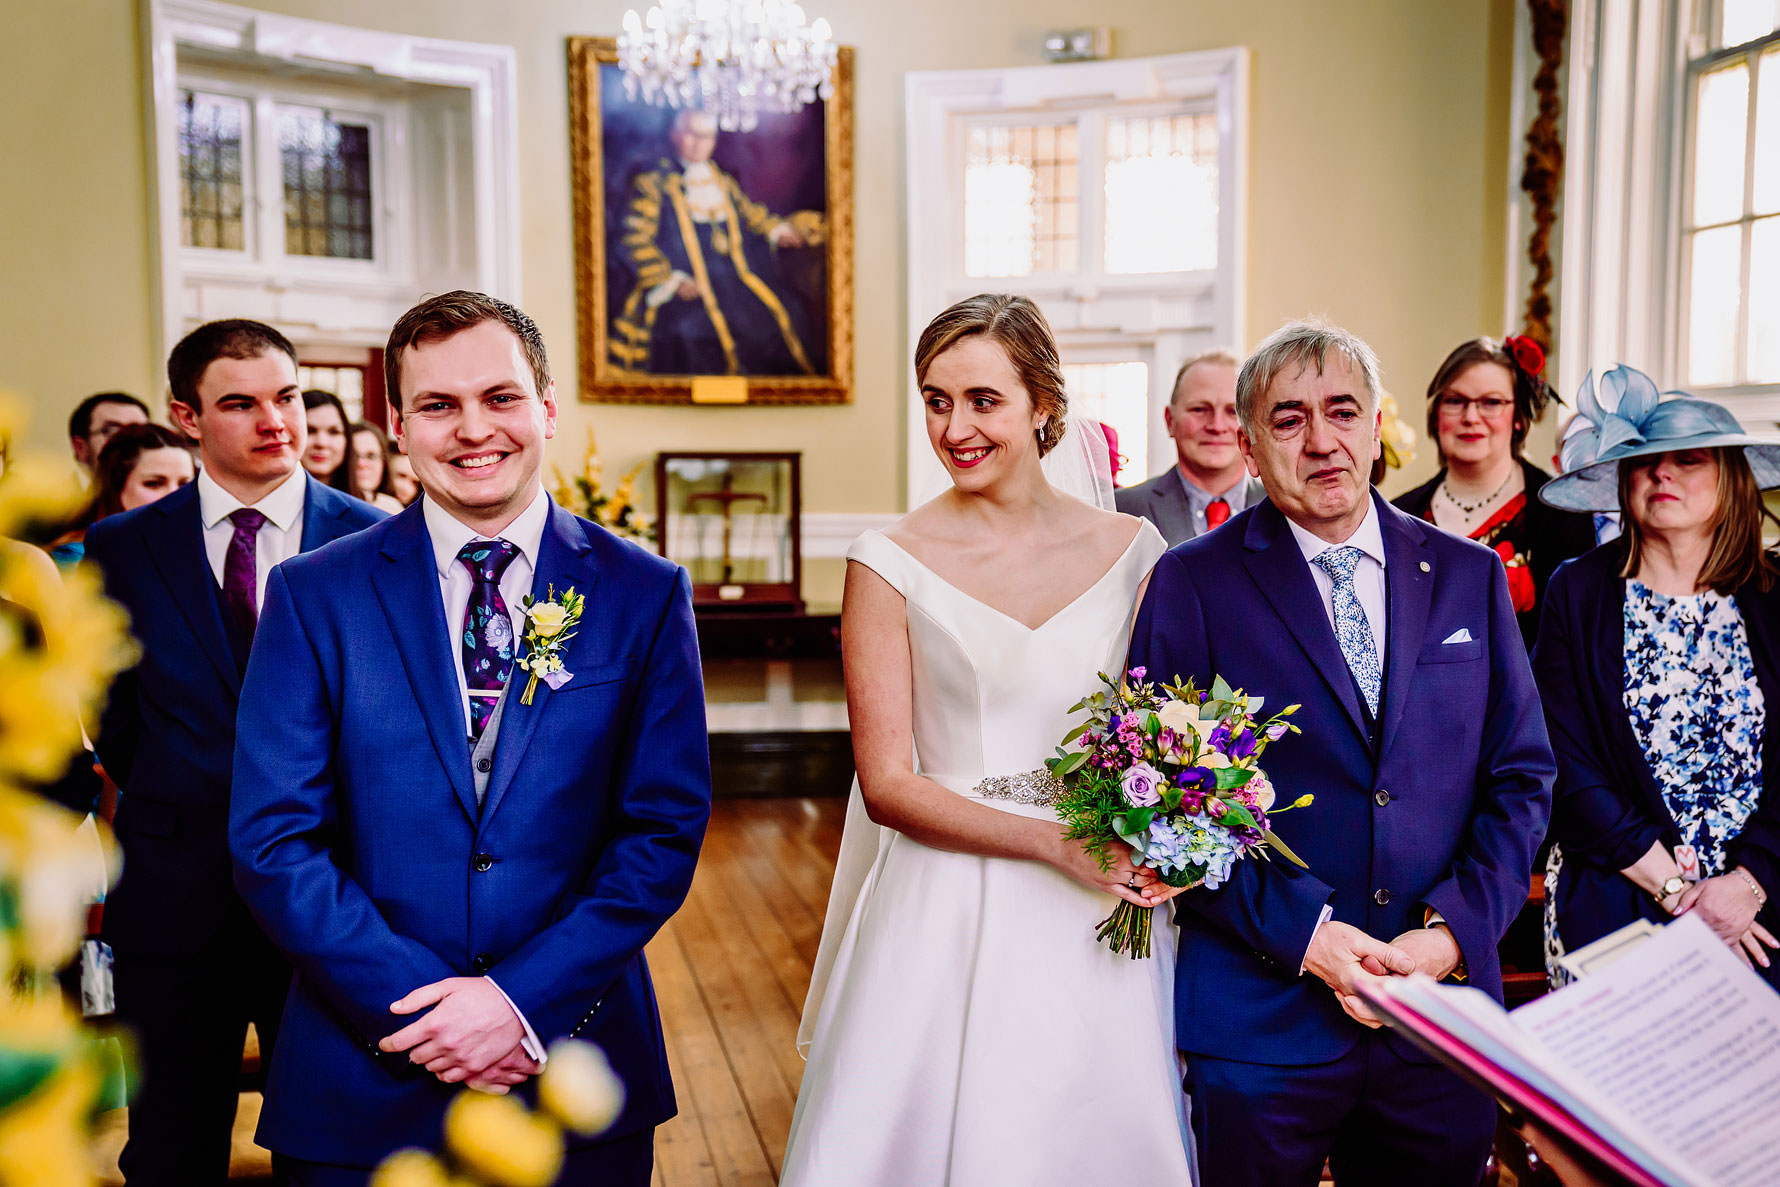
(1462, 635)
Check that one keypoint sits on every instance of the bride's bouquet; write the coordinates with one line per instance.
(1174, 774)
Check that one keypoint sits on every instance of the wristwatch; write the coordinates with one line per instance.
(1674, 884)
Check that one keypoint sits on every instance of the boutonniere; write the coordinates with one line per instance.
(548, 625)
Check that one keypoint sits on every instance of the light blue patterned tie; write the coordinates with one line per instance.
(1352, 630)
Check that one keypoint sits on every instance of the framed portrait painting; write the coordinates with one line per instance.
(711, 266)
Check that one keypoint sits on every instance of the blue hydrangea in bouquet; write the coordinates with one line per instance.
(1173, 773)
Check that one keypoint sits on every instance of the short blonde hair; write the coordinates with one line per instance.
(1021, 329)
(1217, 355)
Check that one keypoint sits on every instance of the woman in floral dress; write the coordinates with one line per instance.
(1657, 659)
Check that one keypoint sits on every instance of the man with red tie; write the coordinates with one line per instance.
(192, 968)
(1208, 483)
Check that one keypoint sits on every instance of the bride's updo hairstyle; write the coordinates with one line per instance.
(1021, 329)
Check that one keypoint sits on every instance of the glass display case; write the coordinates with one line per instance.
(732, 519)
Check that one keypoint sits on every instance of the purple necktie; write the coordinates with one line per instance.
(488, 629)
(240, 570)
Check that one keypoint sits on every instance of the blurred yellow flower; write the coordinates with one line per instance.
(548, 619)
(496, 1138)
(410, 1168)
(579, 1088)
(43, 1140)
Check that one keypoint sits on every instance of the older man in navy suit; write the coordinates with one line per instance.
(1426, 750)
(192, 969)
(464, 866)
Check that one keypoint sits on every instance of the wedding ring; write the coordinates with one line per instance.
(1131, 882)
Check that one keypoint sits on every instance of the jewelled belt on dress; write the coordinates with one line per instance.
(1039, 788)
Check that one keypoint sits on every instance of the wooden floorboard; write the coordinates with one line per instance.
(731, 970)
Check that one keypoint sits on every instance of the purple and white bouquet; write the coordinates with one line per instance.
(1174, 774)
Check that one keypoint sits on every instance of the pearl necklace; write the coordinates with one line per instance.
(1470, 509)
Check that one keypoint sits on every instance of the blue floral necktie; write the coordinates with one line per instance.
(1352, 630)
(488, 629)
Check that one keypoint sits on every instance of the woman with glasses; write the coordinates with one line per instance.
(1484, 399)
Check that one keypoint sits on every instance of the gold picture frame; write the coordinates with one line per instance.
(631, 226)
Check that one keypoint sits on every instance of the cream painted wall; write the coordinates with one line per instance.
(1377, 185)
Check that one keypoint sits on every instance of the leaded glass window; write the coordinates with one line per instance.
(1162, 194)
(327, 184)
(1118, 394)
(1021, 212)
(211, 130)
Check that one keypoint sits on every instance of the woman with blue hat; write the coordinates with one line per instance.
(1658, 655)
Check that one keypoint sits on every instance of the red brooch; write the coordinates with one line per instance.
(1526, 353)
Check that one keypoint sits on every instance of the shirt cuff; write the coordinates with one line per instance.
(664, 292)
(1328, 914)
(534, 1046)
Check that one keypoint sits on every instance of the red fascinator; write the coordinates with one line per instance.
(1527, 355)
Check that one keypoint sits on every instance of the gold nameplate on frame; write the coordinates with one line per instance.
(719, 389)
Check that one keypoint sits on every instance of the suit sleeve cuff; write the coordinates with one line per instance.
(1328, 914)
(533, 1045)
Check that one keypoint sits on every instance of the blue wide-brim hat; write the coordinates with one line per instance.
(1642, 422)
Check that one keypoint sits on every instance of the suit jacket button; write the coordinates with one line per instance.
(482, 863)
(1381, 797)
(1381, 896)
(484, 765)
(482, 963)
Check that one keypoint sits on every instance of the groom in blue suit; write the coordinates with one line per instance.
(1426, 750)
(461, 868)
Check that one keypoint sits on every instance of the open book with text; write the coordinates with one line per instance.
(1662, 1065)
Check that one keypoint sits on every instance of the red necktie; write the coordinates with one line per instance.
(1216, 512)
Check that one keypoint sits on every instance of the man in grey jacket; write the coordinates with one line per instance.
(1208, 483)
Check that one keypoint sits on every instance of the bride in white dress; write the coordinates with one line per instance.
(964, 1026)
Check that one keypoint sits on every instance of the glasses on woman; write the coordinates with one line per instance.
(1489, 407)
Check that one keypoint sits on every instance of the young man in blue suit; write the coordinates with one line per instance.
(461, 868)
(1426, 750)
(192, 969)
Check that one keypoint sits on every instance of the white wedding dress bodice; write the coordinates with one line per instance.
(963, 1025)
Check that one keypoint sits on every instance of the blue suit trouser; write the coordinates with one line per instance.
(1379, 1119)
(628, 1161)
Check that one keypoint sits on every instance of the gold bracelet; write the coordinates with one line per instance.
(1761, 896)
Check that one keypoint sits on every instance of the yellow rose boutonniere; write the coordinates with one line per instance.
(549, 625)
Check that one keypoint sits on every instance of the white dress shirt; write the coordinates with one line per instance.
(448, 536)
(1368, 587)
(280, 538)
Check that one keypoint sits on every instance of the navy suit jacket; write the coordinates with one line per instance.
(1608, 810)
(167, 734)
(359, 845)
(1446, 814)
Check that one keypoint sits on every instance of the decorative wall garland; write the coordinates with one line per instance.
(1542, 176)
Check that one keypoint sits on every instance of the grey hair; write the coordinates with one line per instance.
(1217, 354)
(1301, 344)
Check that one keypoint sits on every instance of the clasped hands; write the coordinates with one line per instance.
(1342, 957)
(470, 1036)
(1728, 905)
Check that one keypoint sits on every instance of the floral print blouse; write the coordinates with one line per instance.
(1697, 712)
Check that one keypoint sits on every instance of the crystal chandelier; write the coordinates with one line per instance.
(732, 58)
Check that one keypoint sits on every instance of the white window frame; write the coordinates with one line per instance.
(1161, 318)
(1623, 279)
(263, 186)
(213, 39)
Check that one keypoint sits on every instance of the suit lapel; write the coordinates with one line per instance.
(321, 516)
(1279, 569)
(563, 563)
(1174, 514)
(1409, 582)
(407, 585)
(175, 544)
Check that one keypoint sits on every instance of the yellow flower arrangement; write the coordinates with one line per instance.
(617, 512)
(495, 1141)
(61, 643)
